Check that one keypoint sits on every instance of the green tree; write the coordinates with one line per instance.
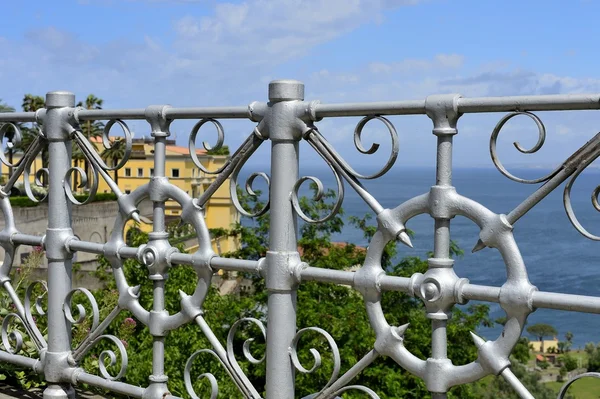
(32, 103)
(10, 148)
(113, 154)
(90, 129)
(540, 331)
(335, 308)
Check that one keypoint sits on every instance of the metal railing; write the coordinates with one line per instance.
(285, 121)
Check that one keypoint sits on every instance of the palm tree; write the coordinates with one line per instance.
(90, 129)
(10, 147)
(32, 103)
(114, 154)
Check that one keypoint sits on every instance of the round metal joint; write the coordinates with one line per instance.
(286, 90)
(59, 99)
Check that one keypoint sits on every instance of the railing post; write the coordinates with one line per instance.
(57, 129)
(437, 287)
(283, 236)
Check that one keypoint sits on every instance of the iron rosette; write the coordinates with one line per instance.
(440, 289)
(156, 256)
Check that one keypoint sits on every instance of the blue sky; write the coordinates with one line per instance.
(206, 53)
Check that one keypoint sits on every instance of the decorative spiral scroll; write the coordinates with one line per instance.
(362, 388)
(84, 182)
(39, 308)
(246, 346)
(565, 388)
(38, 181)
(372, 150)
(108, 144)
(112, 358)
(249, 182)
(14, 336)
(13, 140)
(569, 207)
(535, 148)
(81, 309)
(214, 386)
(317, 197)
(207, 147)
(337, 363)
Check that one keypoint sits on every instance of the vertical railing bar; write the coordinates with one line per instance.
(283, 238)
(58, 232)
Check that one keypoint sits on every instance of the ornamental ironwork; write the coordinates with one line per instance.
(285, 120)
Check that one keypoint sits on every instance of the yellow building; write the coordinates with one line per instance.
(181, 171)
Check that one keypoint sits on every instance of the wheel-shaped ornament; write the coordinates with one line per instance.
(156, 256)
(440, 289)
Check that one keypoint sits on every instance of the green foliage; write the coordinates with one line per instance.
(498, 388)
(224, 150)
(569, 362)
(335, 308)
(20, 276)
(541, 330)
(25, 202)
(593, 352)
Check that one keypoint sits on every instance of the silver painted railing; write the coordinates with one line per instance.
(285, 120)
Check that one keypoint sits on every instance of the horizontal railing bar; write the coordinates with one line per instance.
(481, 293)
(570, 302)
(27, 239)
(413, 107)
(114, 386)
(170, 113)
(555, 102)
(540, 299)
(21, 361)
(128, 252)
(86, 246)
(395, 283)
(17, 117)
(328, 275)
(103, 114)
(559, 102)
(209, 112)
(240, 265)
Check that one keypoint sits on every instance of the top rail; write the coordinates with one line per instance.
(558, 102)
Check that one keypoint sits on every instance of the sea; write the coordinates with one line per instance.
(558, 258)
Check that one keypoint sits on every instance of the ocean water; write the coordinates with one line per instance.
(557, 257)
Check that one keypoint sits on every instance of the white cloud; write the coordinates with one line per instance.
(416, 65)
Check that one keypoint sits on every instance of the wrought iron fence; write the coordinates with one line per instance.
(285, 120)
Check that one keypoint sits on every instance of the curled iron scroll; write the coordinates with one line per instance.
(316, 355)
(541, 139)
(372, 150)
(246, 345)
(84, 183)
(207, 147)
(565, 388)
(318, 196)
(38, 181)
(187, 375)
(111, 357)
(251, 192)
(82, 314)
(13, 337)
(569, 207)
(108, 144)
(14, 140)
(37, 304)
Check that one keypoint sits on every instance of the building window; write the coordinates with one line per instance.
(151, 172)
(174, 172)
(140, 172)
(193, 172)
(127, 172)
